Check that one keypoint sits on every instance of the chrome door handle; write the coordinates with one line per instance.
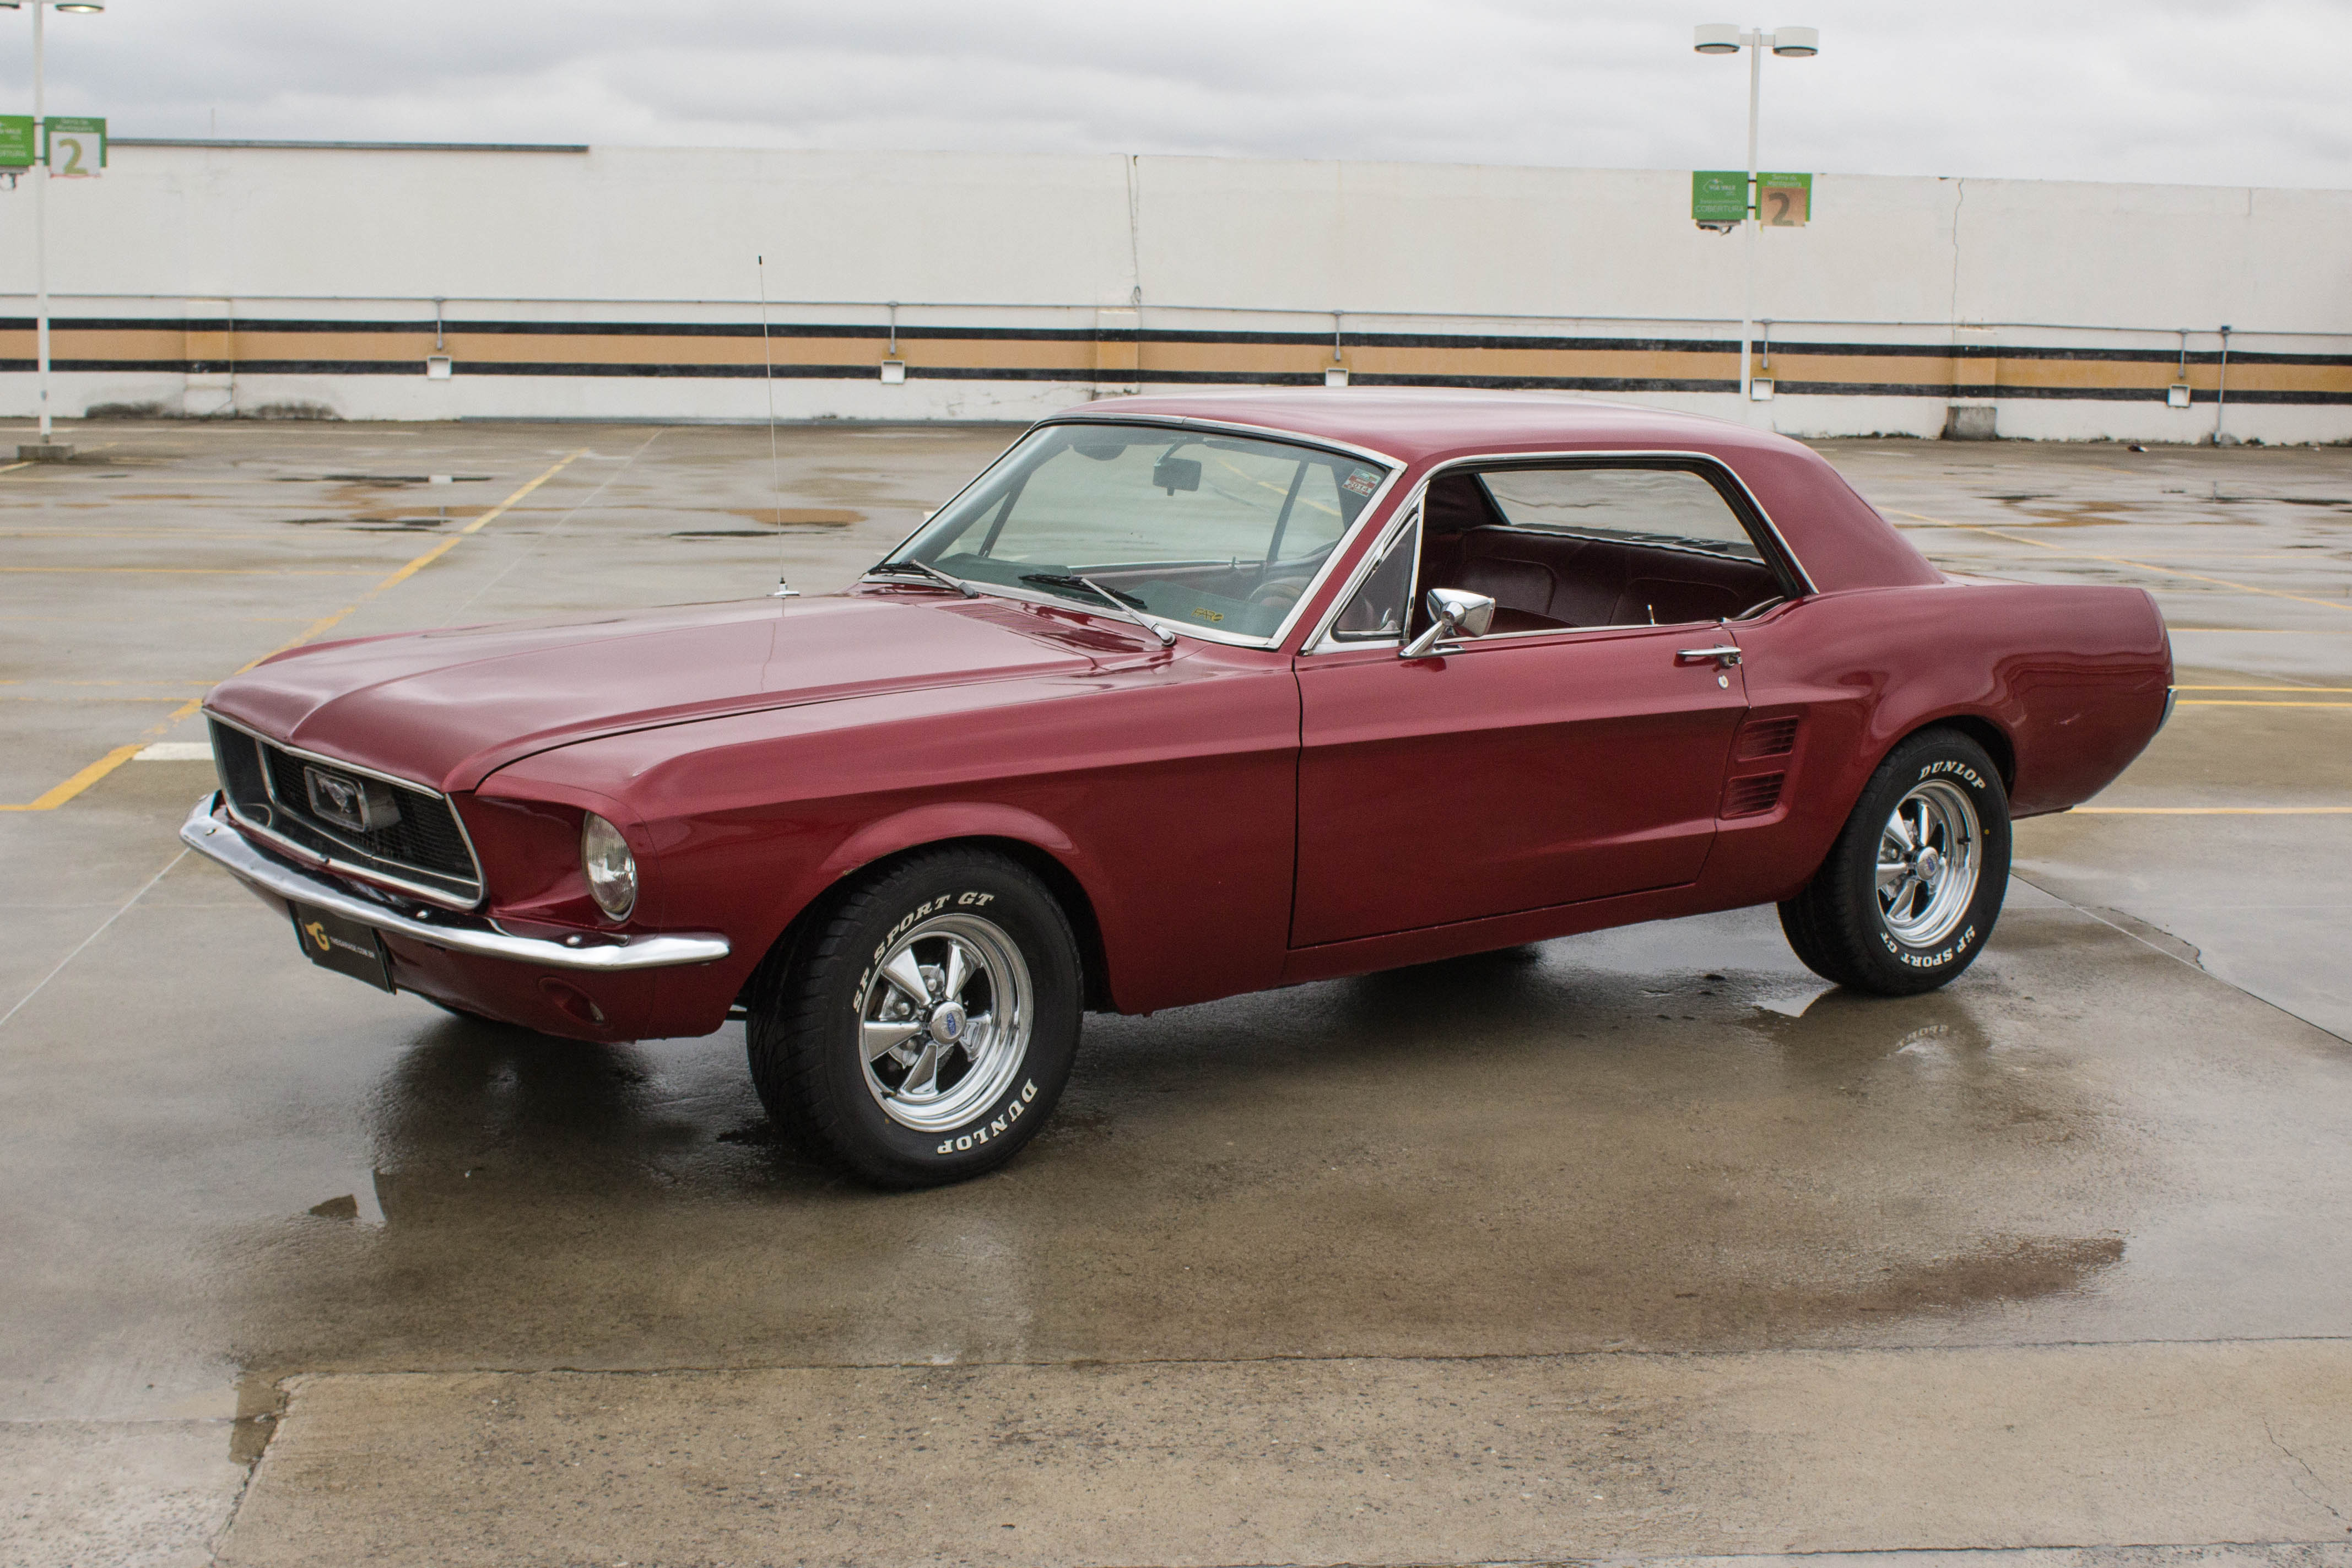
(1725, 657)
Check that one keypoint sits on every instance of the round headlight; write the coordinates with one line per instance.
(612, 870)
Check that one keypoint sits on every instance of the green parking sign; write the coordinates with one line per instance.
(1719, 196)
(17, 141)
(1782, 201)
(74, 147)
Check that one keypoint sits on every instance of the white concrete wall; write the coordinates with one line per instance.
(668, 236)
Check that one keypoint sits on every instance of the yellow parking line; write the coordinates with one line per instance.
(2212, 811)
(57, 794)
(12, 468)
(2126, 561)
(60, 794)
(420, 564)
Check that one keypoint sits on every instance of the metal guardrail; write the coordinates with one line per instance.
(1145, 309)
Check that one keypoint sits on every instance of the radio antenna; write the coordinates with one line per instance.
(775, 465)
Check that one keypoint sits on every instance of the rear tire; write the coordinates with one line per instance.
(1910, 893)
(920, 1031)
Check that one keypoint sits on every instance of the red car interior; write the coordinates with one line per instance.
(1548, 580)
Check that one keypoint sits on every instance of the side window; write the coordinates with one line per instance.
(1653, 506)
(1578, 545)
(1377, 607)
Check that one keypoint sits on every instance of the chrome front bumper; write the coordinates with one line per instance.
(209, 835)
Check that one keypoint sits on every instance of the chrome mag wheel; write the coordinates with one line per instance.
(944, 1022)
(1930, 855)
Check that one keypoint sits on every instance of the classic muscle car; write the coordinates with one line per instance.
(1184, 697)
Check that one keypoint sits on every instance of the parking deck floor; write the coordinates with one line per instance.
(1644, 1243)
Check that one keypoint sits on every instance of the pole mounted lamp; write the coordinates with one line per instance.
(41, 193)
(1788, 43)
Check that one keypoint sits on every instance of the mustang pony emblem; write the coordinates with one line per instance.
(349, 802)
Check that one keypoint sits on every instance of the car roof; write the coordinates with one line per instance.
(1432, 424)
(1841, 540)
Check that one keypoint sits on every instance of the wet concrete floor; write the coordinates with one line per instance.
(1640, 1244)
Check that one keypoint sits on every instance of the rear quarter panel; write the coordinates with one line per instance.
(2070, 682)
(1164, 788)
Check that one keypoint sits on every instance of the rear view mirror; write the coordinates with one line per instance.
(1173, 474)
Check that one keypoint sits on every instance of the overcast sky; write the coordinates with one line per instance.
(2205, 91)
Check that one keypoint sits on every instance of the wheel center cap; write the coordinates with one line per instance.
(1930, 866)
(948, 1021)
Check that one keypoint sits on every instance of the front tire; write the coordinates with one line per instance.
(1910, 893)
(921, 1030)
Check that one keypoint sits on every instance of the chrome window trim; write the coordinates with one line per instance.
(1323, 642)
(440, 896)
(1395, 468)
(1191, 422)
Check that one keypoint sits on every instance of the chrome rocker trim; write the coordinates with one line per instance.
(215, 840)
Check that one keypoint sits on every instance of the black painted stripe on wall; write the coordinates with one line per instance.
(1147, 336)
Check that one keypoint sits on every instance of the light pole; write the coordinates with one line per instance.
(1789, 43)
(41, 195)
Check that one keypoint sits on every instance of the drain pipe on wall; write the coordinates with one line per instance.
(2221, 395)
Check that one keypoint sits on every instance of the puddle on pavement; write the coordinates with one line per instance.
(1506, 1154)
(2076, 514)
(393, 518)
(773, 520)
(789, 517)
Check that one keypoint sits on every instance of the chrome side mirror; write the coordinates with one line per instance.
(1452, 613)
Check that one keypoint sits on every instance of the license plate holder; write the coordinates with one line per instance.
(345, 946)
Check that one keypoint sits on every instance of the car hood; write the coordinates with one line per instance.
(446, 708)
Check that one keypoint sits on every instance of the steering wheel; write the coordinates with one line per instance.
(1278, 596)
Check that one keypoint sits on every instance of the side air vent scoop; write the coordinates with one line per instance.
(1765, 738)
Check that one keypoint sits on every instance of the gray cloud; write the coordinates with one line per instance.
(2213, 92)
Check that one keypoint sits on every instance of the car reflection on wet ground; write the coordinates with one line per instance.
(1638, 1243)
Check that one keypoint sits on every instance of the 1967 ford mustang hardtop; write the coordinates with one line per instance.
(1184, 697)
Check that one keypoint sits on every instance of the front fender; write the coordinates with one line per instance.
(951, 822)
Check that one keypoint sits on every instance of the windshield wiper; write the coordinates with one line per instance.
(1073, 580)
(910, 564)
(1125, 606)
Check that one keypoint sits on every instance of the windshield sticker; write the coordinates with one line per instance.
(1363, 481)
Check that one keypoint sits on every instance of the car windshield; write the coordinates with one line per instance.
(1206, 532)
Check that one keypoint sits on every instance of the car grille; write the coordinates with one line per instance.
(425, 849)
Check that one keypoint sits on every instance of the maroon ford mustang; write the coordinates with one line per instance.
(1184, 697)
